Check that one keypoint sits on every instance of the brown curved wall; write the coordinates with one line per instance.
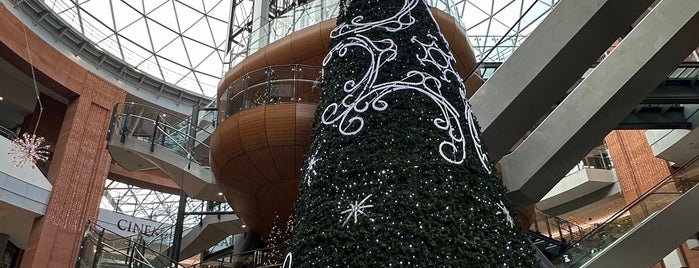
(256, 157)
(310, 45)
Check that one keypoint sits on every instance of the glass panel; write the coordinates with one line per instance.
(161, 129)
(633, 215)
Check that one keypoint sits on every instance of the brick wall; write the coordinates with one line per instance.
(80, 160)
(636, 167)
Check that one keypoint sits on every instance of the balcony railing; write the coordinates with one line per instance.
(633, 215)
(556, 228)
(275, 84)
(101, 247)
(312, 13)
(161, 129)
(8, 134)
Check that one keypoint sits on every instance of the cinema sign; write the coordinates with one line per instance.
(126, 225)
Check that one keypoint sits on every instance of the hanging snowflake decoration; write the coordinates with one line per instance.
(504, 211)
(355, 209)
(29, 149)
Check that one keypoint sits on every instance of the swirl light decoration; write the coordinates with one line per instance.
(396, 175)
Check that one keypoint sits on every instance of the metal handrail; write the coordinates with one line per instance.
(638, 203)
(165, 129)
(136, 251)
(260, 87)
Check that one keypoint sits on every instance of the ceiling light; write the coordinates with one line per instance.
(219, 193)
(1, 98)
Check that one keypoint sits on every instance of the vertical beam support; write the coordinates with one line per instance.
(177, 239)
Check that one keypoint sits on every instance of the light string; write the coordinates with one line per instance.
(30, 149)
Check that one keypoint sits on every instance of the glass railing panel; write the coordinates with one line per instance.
(235, 102)
(308, 15)
(312, 13)
(275, 84)
(634, 214)
(162, 129)
(332, 9)
(102, 248)
(281, 27)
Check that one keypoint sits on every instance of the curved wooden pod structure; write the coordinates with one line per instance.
(310, 45)
(257, 154)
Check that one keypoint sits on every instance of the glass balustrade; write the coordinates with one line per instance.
(161, 129)
(634, 214)
(103, 248)
(556, 228)
(275, 84)
(314, 12)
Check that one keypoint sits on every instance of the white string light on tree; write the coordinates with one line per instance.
(28, 149)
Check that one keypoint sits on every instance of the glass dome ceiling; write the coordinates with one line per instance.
(180, 42)
(190, 44)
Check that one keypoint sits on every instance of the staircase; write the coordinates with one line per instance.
(142, 138)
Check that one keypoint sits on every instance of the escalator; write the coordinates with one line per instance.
(551, 235)
(103, 248)
(651, 226)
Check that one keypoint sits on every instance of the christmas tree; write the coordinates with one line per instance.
(275, 241)
(395, 174)
(288, 233)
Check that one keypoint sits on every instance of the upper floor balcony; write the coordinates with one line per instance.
(311, 13)
(590, 180)
(293, 83)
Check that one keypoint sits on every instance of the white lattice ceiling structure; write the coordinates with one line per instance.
(185, 43)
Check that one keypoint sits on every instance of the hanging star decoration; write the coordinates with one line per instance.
(504, 211)
(29, 149)
(355, 209)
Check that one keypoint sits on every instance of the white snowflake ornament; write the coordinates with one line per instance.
(355, 209)
(29, 149)
(504, 211)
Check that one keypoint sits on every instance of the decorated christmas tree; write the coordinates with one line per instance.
(275, 241)
(288, 233)
(395, 174)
